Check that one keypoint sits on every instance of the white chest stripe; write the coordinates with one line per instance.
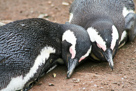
(71, 38)
(95, 37)
(18, 82)
(115, 37)
(124, 34)
(70, 17)
(87, 54)
(126, 11)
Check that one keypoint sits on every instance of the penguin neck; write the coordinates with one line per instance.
(102, 24)
(99, 22)
(64, 28)
(55, 34)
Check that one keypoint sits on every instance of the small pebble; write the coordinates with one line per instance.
(76, 80)
(54, 75)
(43, 16)
(115, 83)
(49, 2)
(83, 88)
(51, 84)
(125, 77)
(52, 5)
(65, 3)
(95, 85)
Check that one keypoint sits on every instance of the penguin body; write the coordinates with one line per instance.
(130, 19)
(29, 47)
(105, 22)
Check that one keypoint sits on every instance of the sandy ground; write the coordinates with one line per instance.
(88, 76)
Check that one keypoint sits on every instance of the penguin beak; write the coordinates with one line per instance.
(108, 56)
(72, 63)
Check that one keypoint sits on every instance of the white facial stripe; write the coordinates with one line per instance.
(70, 17)
(87, 54)
(124, 34)
(126, 11)
(18, 82)
(95, 37)
(71, 38)
(115, 37)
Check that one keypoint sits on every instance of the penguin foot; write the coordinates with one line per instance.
(28, 86)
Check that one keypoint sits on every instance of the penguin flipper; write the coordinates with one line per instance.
(130, 25)
(50, 64)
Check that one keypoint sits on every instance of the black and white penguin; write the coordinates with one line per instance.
(109, 23)
(29, 47)
(130, 19)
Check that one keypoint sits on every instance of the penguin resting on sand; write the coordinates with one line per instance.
(130, 19)
(109, 23)
(29, 48)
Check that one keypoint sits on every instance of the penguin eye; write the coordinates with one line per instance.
(72, 52)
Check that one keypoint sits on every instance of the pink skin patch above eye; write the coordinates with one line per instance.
(82, 58)
(72, 52)
(101, 46)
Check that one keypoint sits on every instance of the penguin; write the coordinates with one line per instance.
(109, 23)
(30, 47)
(130, 20)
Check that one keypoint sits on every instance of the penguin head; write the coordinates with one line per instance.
(104, 38)
(76, 46)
